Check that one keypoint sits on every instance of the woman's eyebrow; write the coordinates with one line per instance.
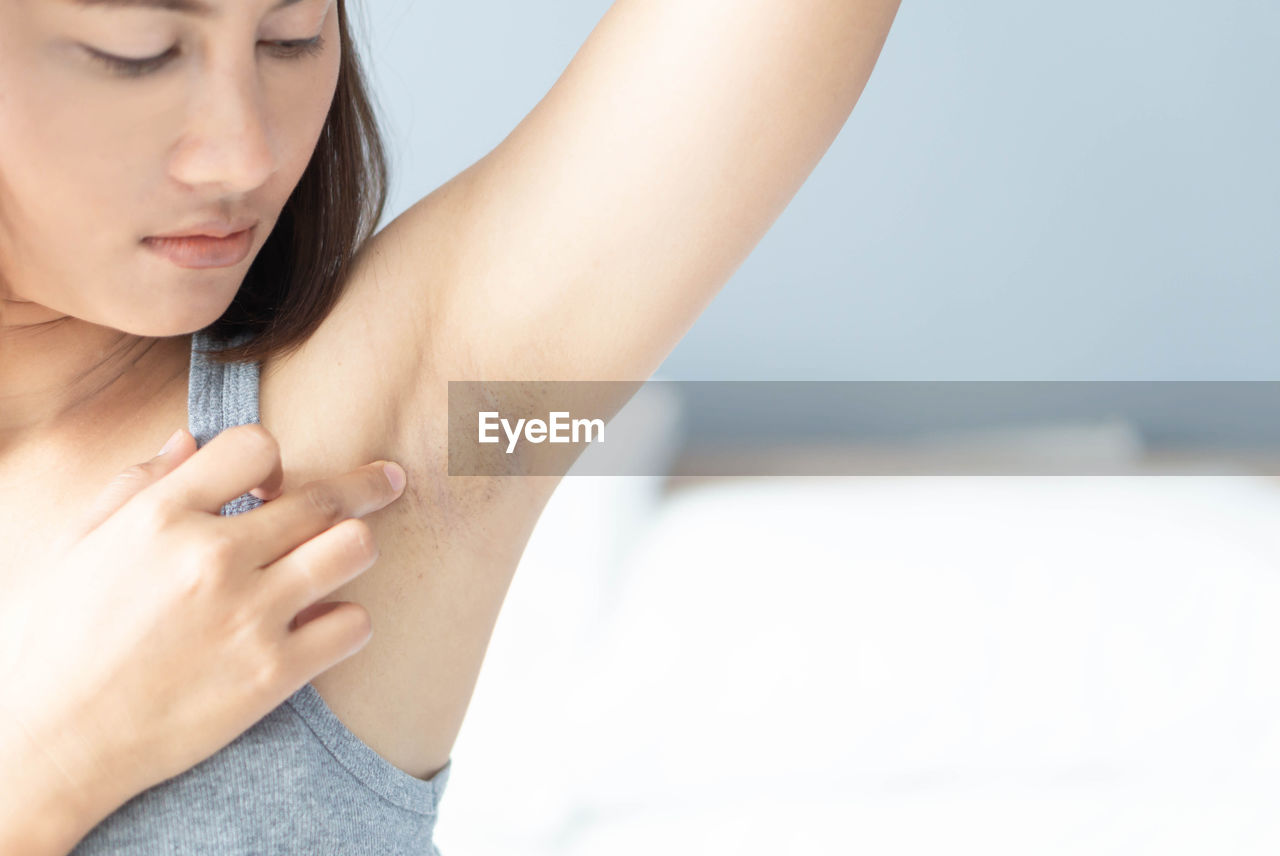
(192, 7)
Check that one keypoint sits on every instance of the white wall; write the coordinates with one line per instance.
(1028, 191)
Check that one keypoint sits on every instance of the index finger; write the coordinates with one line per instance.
(240, 459)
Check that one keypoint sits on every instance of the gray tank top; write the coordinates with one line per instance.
(297, 781)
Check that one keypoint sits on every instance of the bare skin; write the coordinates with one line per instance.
(389, 693)
(508, 271)
(93, 354)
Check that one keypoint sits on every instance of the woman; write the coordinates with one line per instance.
(169, 677)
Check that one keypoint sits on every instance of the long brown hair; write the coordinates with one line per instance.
(300, 271)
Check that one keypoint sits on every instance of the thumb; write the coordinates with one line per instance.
(134, 479)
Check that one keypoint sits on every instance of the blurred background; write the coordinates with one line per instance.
(1004, 664)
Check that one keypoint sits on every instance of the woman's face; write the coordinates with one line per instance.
(219, 123)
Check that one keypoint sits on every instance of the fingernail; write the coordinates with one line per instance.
(395, 475)
(170, 443)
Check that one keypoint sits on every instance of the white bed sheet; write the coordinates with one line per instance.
(901, 665)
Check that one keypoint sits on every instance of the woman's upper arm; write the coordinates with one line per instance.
(586, 243)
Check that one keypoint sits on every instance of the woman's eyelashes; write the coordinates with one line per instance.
(295, 49)
(130, 67)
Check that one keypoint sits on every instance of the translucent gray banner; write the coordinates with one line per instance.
(830, 428)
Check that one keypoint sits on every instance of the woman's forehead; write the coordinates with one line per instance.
(200, 8)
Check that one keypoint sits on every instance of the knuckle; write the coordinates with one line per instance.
(246, 629)
(243, 621)
(357, 618)
(259, 437)
(363, 620)
(154, 514)
(324, 498)
(364, 546)
(305, 582)
(191, 576)
(269, 672)
(135, 473)
(215, 553)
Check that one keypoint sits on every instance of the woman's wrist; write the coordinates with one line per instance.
(46, 809)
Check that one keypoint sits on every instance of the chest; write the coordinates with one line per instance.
(24, 543)
(44, 496)
(434, 594)
(399, 694)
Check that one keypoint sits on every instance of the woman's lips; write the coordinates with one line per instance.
(202, 251)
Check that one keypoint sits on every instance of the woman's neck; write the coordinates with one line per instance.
(60, 375)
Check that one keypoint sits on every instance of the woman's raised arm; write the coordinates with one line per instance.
(588, 241)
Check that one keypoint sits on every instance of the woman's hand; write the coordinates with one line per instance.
(159, 630)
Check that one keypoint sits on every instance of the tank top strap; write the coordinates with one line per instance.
(220, 397)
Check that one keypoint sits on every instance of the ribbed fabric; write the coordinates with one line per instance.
(219, 397)
(297, 781)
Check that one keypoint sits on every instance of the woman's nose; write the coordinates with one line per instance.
(228, 138)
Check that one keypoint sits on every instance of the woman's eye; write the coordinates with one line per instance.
(124, 67)
(130, 67)
(299, 47)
